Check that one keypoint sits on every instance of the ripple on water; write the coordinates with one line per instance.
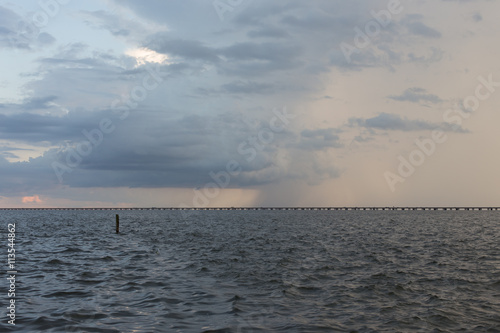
(258, 271)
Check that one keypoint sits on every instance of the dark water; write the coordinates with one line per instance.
(255, 271)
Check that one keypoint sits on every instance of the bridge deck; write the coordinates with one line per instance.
(279, 208)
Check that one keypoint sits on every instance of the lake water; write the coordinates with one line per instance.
(254, 271)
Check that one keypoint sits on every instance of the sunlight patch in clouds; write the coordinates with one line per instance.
(144, 55)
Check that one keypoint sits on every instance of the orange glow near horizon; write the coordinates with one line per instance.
(33, 199)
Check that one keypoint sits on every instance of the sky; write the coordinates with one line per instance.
(225, 103)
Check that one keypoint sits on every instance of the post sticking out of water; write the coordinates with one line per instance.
(117, 224)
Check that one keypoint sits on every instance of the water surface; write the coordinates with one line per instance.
(256, 271)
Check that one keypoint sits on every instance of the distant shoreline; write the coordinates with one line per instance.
(274, 208)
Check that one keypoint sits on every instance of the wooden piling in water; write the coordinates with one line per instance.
(117, 224)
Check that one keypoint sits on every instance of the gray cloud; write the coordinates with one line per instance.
(435, 55)
(24, 178)
(37, 129)
(416, 95)
(393, 122)
(477, 17)
(8, 154)
(193, 123)
(189, 19)
(37, 103)
(268, 32)
(362, 139)
(319, 139)
(250, 59)
(419, 28)
(248, 87)
(115, 25)
(19, 33)
(145, 150)
(415, 26)
(188, 49)
(29, 104)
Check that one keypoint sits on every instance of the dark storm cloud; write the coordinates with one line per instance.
(22, 178)
(35, 129)
(179, 152)
(188, 49)
(313, 32)
(188, 126)
(145, 150)
(318, 28)
(247, 58)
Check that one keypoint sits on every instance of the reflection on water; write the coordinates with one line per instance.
(256, 271)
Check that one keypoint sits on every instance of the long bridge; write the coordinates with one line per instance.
(275, 208)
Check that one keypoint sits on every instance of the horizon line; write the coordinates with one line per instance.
(266, 208)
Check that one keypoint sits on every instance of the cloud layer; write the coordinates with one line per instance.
(207, 86)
